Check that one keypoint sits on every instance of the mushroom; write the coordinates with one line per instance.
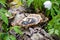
(31, 19)
(26, 20)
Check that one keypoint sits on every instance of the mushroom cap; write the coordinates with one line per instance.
(30, 20)
(27, 20)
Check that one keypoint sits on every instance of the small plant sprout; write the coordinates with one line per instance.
(48, 4)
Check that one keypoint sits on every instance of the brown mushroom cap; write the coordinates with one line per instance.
(30, 20)
(26, 20)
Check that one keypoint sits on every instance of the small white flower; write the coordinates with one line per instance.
(48, 4)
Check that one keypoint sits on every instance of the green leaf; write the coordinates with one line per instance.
(51, 31)
(3, 16)
(53, 26)
(52, 13)
(12, 37)
(2, 35)
(29, 2)
(57, 32)
(58, 11)
(3, 2)
(17, 30)
(9, 37)
(6, 36)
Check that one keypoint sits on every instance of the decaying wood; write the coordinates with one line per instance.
(14, 11)
(36, 33)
